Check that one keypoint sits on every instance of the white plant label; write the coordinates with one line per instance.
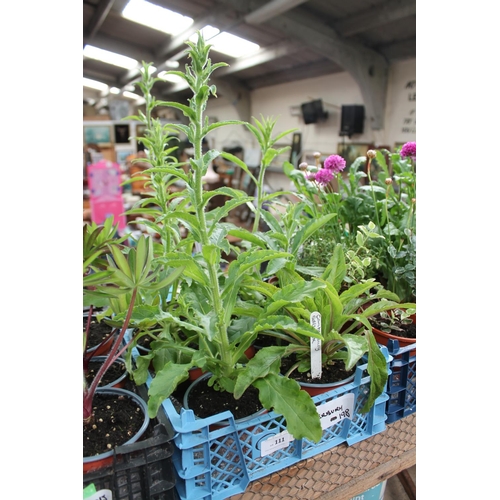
(315, 344)
(276, 442)
(335, 411)
(101, 495)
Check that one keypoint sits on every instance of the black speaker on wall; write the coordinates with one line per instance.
(352, 120)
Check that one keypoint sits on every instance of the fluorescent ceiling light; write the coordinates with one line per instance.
(156, 17)
(226, 43)
(170, 78)
(109, 57)
(172, 64)
(94, 84)
(131, 95)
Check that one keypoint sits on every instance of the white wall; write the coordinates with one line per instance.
(335, 90)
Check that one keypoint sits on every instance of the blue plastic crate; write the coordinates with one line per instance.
(402, 382)
(215, 463)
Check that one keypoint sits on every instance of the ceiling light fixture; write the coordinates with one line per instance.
(156, 17)
(170, 78)
(226, 43)
(94, 84)
(109, 57)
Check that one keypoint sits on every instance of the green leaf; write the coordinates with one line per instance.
(287, 324)
(377, 369)
(121, 262)
(164, 383)
(240, 163)
(295, 292)
(308, 230)
(186, 110)
(285, 396)
(266, 360)
(246, 235)
(210, 253)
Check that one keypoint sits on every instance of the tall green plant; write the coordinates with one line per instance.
(219, 307)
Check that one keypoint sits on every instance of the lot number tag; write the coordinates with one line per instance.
(274, 443)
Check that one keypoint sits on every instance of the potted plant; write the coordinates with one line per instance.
(393, 195)
(218, 306)
(345, 324)
(124, 276)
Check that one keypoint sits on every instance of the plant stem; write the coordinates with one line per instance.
(260, 183)
(88, 393)
(373, 192)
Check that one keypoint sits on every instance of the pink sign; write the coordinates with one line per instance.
(106, 199)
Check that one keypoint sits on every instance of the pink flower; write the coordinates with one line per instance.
(409, 150)
(324, 176)
(335, 163)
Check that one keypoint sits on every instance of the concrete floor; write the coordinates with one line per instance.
(394, 489)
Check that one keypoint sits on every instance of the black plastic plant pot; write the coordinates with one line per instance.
(140, 471)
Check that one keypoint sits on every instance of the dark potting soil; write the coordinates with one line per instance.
(145, 341)
(98, 332)
(407, 331)
(329, 373)
(116, 419)
(114, 372)
(205, 401)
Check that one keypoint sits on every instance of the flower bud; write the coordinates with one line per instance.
(414, 200)
(371, 154)
(388, 181)
(317, 155)
(303, 166)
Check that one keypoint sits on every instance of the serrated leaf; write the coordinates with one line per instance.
(377, 369)
(265, 361)
(285, 396)
(164, 383)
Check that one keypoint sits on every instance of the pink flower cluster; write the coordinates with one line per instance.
(333, 165)
(323, 176)
(409, 150)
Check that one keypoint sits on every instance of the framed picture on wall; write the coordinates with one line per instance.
(97, 134)
(122, 134)
(351, 151)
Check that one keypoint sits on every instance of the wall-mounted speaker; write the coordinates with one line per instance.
(352, 120)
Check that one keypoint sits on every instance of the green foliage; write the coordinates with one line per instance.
(345, 328)
(212, 316)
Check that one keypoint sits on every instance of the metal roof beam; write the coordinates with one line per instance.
(394, 10)
(100, 14)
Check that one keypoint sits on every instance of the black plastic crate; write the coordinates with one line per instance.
(140, 471)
